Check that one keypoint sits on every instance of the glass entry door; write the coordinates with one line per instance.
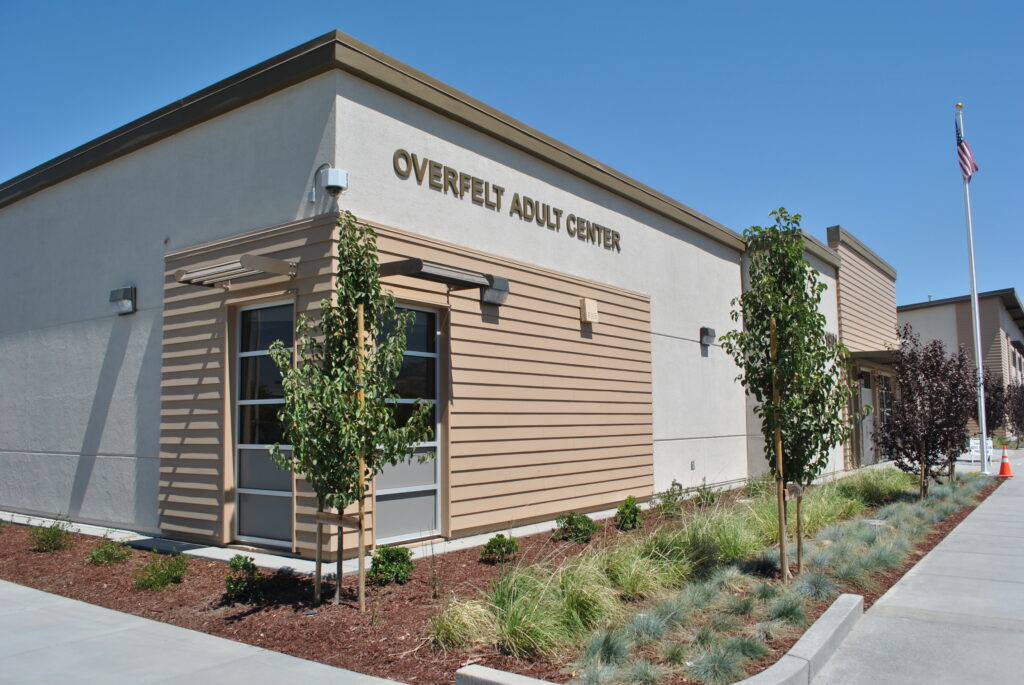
(408, 498)
(263, 499)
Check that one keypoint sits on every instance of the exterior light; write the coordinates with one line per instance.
(496, 292)
(707, 335)
(123, 300)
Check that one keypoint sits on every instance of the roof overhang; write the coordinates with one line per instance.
(875, 356)
(245, 266)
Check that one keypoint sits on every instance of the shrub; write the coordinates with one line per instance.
(766, 631)
(461, 624)
(875, 487)
(161, 571)
(633, 574)
(719, 663)
(765, 591)
(628, 516)
(528, 618)
(703, 496)
(51, 538)
(107, 552)
(719, 536)
(645, 628)
(885, 555)
(742, 605)
(391, 565)
(575, 527)
(815, 585)
(750, 647)
(673, 611)
(671, 500)
(499, 549)
(760, 486)
(608, 647)
(583, 595)
(675, 653)
(642, 672)
(244, 582)
(723, 623)
(788, 608)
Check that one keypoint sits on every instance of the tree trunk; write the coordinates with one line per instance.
(780, 482)
(924, 471)
(319, 557)
(360, 334)
(951, 476)
(799, 534)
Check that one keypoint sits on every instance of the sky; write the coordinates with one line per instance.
(841, 112)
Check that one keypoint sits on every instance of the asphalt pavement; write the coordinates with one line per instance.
(957, 617)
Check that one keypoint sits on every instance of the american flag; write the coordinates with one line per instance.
(967, 164)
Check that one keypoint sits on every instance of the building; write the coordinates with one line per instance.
(1002, 329)
(147, 271)
(866, 298)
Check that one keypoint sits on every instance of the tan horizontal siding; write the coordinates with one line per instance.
(867, 303)
(196, 455)
(545, 415)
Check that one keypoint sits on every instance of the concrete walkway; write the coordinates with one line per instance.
(958, 616)
(46, 638)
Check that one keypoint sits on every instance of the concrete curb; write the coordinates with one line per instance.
(799, 666)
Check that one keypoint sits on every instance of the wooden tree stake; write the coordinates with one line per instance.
(780, 481)
(360, 334)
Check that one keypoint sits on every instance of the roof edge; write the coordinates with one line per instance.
(1008, 295)
(820, 250)
(837, 234)
(337, 50)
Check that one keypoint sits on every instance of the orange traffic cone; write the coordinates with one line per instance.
(1004, 466)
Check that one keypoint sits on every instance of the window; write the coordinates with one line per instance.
(884, 398)
(408, 502)
(263, 499)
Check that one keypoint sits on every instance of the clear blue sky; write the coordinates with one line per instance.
(840, 111)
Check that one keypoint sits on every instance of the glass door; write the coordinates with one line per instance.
(408, 501)
(263, 492)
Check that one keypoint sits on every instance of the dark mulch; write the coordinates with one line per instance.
(388, 640)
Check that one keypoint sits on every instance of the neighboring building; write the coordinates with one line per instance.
(589, 383)
(1002, 329)
(867, 326)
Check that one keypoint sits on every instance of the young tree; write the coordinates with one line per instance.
(1015, 409)
(995, 403)
(337, 416)
(798, 377)
(961, 398)
(927, 427)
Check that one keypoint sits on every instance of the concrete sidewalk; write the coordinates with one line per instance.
(958, 615)
(46, 638)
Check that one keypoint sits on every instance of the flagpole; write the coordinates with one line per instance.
(974, 309)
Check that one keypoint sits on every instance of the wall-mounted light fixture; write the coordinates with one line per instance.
(123, 300)
(707, 335)
(496, 293)
(333, 181)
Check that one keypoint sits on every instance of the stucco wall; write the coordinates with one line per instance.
(79, 418)
(934, 323)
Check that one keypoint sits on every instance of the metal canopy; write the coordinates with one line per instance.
(456, 279)
(244, 266)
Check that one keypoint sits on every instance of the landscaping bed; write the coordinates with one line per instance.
(392, 639)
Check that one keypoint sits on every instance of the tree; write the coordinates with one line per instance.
(927, 427)
(337, 415)
(1015, 409)
(797, 375)
(995, 403)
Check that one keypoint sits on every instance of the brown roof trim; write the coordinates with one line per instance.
(1007, 295)
(336, 50)
(837, 234)
(820, 250)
